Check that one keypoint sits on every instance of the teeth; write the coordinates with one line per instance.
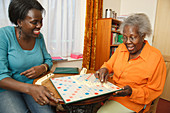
(130, 48)
(36, 32)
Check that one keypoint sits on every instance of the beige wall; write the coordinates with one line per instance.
(161, 34)
(111, 4)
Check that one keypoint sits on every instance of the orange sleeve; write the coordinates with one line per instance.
(109, 64)
(154, 87)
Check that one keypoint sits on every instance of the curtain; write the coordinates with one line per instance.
(94, 10)
(4, 20)
(65, 23)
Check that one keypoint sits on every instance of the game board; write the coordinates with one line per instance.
(81, 87)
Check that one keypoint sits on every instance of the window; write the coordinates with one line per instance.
(4, 20)
(64, 26)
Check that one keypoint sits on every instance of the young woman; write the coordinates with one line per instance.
(23, 58)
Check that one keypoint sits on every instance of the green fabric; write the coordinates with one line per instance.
(66, 70)
(120, 38)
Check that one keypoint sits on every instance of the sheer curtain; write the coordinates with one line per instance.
(64, 24)
(4, 20)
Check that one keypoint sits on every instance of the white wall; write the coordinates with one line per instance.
(140, 6)
(111, 4)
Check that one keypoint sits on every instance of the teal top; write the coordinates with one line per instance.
(14, 60)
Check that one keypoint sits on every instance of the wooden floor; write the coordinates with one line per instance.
(163, 106)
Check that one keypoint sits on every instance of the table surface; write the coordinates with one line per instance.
(50, 87)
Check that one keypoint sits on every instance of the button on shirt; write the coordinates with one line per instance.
(145, 74)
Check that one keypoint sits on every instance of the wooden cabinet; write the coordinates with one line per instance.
(166, 92)
(104, 37)
(161, 39)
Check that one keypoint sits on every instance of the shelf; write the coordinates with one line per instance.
(116, 32)
(106, 27)
(114, 21)
(114, 45)
(115, 26)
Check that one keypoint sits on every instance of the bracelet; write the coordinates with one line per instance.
(46, 68)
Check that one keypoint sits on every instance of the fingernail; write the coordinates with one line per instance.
(97, 72)
(51, 93)
(59, 99)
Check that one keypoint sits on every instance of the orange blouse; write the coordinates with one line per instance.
(145, 74)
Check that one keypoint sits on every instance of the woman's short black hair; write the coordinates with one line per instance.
(18, 9)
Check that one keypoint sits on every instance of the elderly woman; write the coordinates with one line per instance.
(23, 57)
(138, 68)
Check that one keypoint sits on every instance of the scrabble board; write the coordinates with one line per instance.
(81, 87)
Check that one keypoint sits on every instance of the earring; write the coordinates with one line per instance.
(19, 33)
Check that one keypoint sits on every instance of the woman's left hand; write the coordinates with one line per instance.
(42, 95)
(127, 91)
(33, 72)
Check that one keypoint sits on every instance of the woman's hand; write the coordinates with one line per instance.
(127, 91)
(42, 95)
(102, 74)
(34, 72)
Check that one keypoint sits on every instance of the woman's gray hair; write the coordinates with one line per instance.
(141, 21)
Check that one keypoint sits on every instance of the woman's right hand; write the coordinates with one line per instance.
(102, 75)
(42, 95)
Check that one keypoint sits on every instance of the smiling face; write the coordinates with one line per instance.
(32, 24)
(132, 40)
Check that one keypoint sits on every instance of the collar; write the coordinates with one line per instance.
(144, 53)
